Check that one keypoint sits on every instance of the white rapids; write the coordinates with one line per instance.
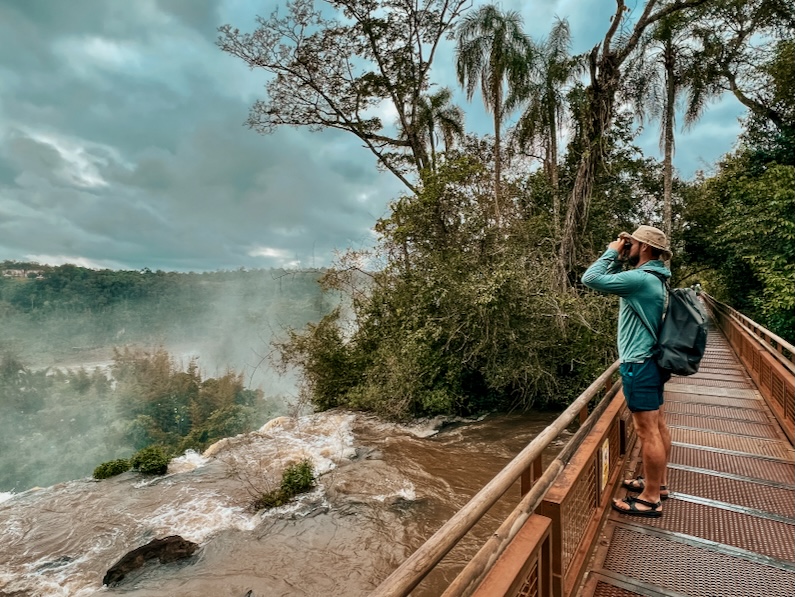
(381, 490)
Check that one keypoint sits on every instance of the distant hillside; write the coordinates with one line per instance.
(52, 315)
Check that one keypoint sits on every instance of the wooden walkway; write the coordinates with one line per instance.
(728, 529)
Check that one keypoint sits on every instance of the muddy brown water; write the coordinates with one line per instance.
(382, 490)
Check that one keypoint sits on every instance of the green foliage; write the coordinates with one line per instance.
(59, 423)
(270, 499)
(296, 479)
(112, 468)
(152, 460)
(143, 431)
(22, 389)
(624, 188)
(748, 45)
(328, 365)
(73, 308)
(741, 226)
(56, 425)
(755, 241)
(463, 318)
(177, 408)
(225, 422)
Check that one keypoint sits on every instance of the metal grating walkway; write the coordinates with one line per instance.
(728, 529)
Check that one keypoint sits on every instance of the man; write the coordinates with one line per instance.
(641, 306)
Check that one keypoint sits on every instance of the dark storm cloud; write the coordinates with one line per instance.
(122, 144)
(179, 209)
(36, 158)
(45, 15)
(124, 122)
(201, 15)
(7, 172)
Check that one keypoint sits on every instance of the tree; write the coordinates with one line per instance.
(664, 67)
(439, 116)
(741, 222)
(604, 64)
(474, 324)
(493, 50)
(551, 72)
(339, 74)
(752, 242)
(739, 42)
(177, 408)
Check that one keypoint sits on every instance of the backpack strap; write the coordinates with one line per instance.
(660, 277)
(667, 287)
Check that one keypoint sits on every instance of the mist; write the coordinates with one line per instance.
(59, 417)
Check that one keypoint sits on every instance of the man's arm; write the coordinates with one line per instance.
(605, 274)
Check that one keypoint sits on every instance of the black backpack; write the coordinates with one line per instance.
(683, 332)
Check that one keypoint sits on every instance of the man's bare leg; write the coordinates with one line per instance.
(665, 436)
(653, 456)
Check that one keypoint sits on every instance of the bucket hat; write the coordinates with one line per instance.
(654, 237)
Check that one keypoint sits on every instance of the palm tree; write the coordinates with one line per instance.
(493, 50)
(664, 69)
(553, 70)
(436, 115)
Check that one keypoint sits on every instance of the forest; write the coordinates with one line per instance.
(64, 310)
(473, 300)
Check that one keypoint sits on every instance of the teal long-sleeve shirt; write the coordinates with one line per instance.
(641, 295)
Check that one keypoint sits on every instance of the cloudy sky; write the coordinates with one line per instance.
(122, 142)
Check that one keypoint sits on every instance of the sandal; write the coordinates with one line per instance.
(638, 485)
(653, 512)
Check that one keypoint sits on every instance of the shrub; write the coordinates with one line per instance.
(270, 499)
(111, 468)
(296, 478)
(151, 461)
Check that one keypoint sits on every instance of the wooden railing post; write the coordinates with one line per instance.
(538, 469)
(526, 481)
(530, 475)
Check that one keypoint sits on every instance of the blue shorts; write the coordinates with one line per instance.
(643, 385)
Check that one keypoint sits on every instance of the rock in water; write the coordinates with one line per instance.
(169, 549)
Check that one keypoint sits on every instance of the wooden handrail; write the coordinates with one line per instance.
(411, 572)
(760, 333)
(478, 566)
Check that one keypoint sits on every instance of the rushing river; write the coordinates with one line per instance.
(382, 490)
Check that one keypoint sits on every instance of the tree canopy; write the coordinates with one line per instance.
(471, 299)
(340, 73)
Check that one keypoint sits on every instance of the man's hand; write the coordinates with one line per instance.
(618, 245)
